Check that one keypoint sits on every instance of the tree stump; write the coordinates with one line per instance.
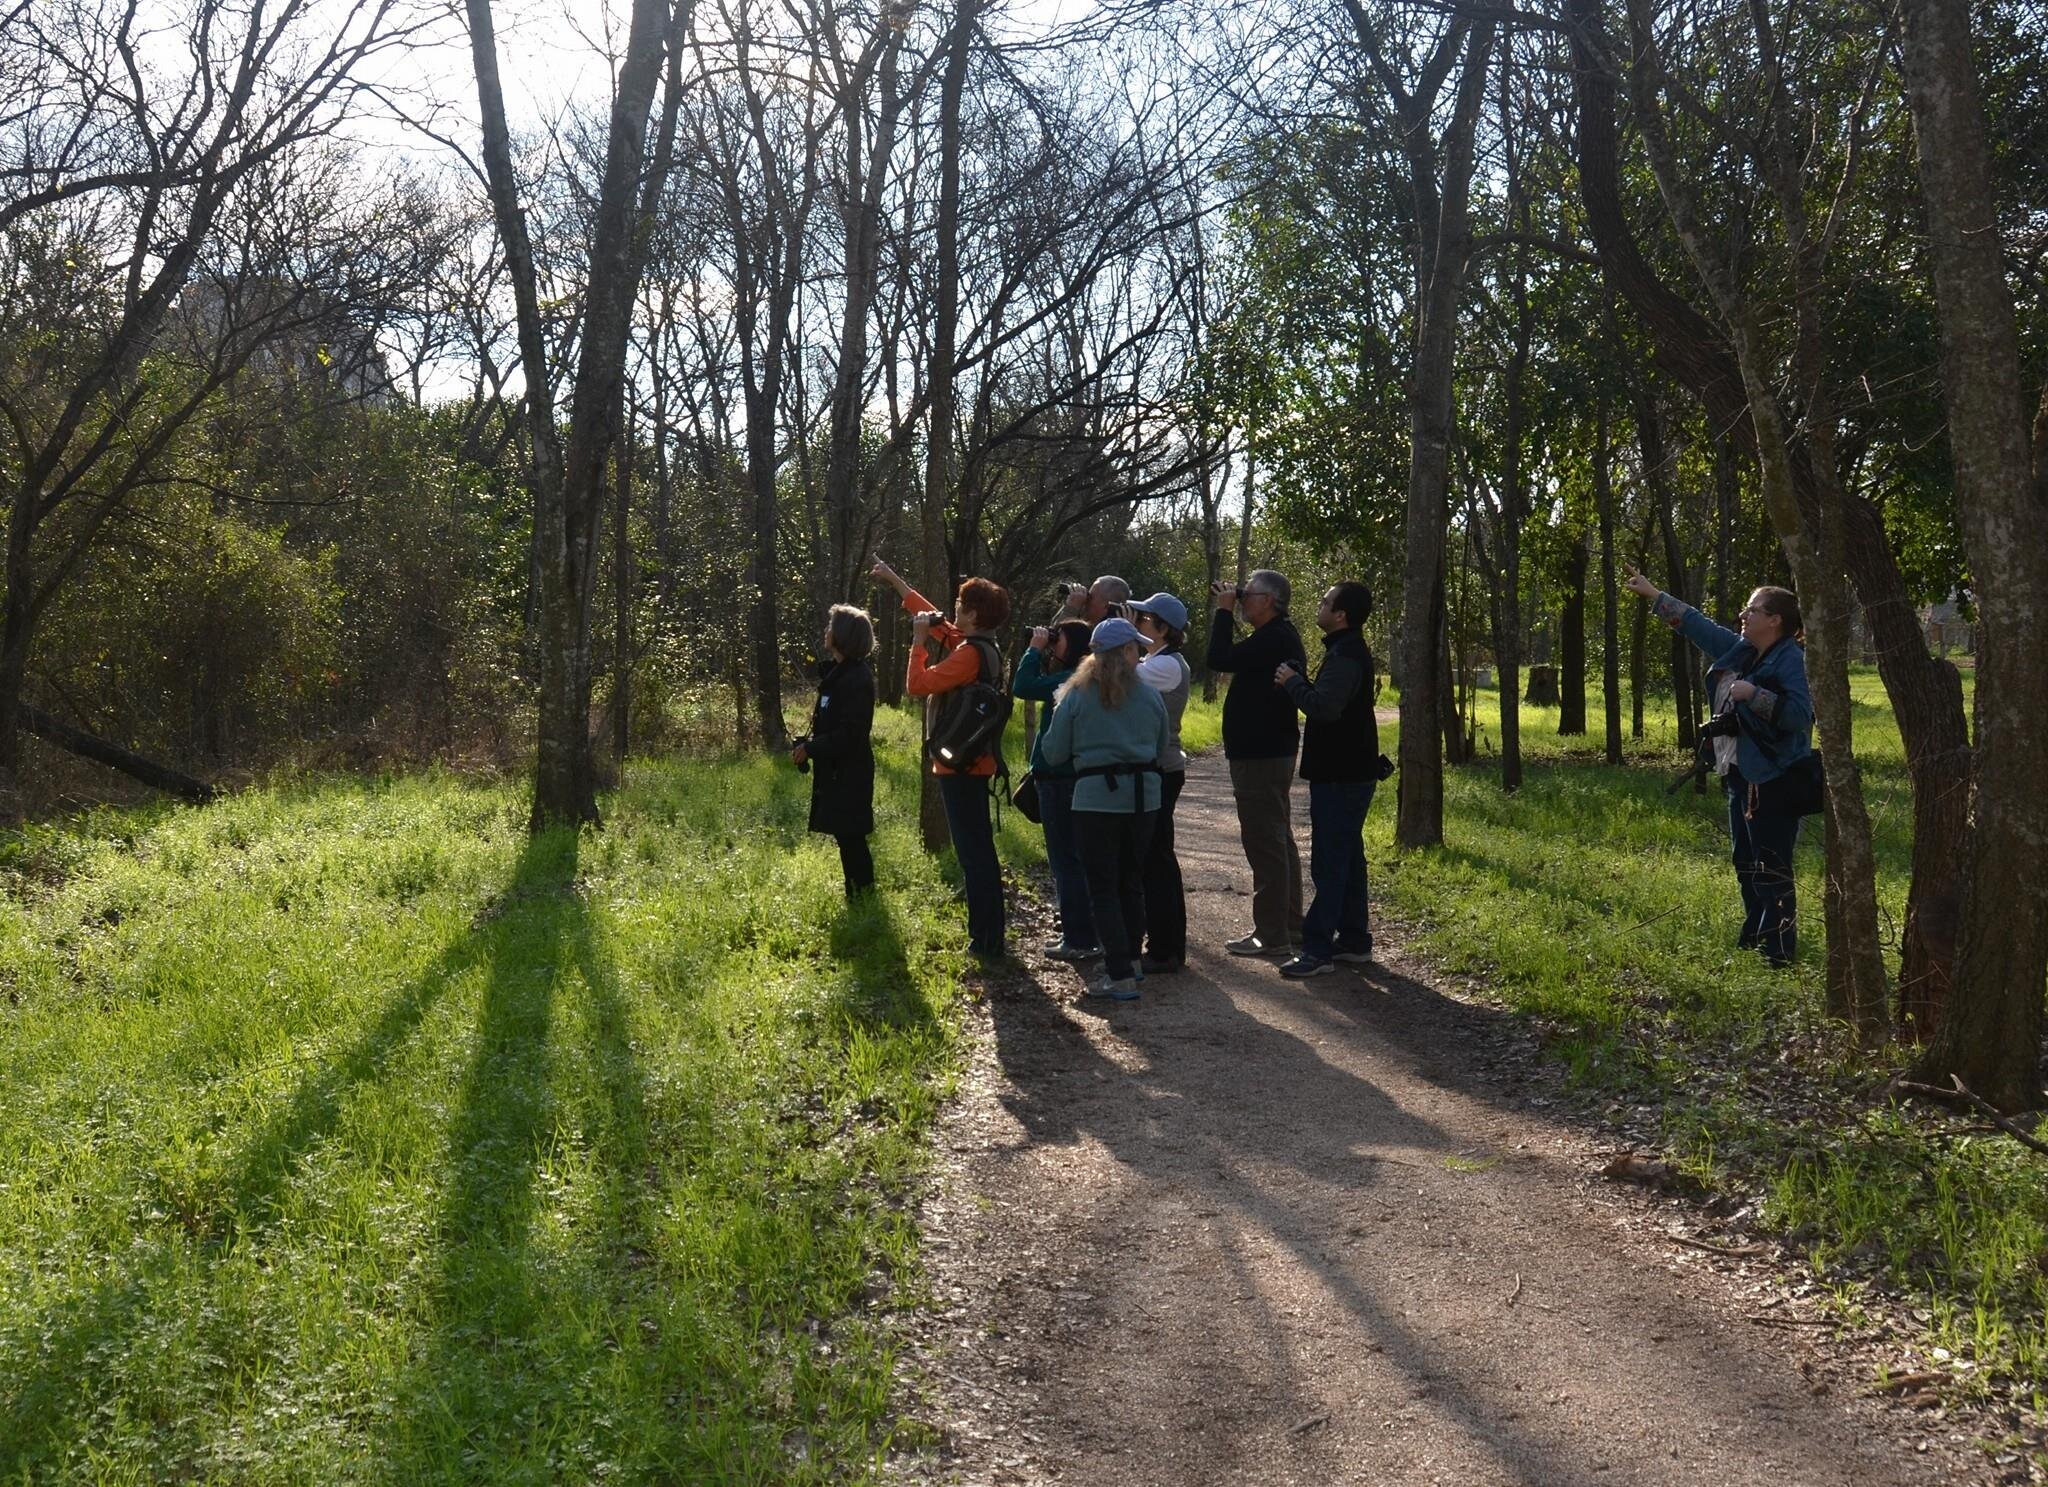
(1542, 687)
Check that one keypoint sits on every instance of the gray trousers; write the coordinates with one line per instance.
(1265, 824)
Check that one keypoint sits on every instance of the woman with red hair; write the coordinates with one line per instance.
(945, 657)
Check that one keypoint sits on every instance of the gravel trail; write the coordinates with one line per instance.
(1253, 1231)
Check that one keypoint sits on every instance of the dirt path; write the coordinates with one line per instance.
(1249, 1231)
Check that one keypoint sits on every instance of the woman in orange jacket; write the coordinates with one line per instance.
(946, 656)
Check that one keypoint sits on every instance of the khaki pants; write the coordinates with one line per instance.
(1266, 826)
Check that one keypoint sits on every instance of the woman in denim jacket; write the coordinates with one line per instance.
(1758, 677)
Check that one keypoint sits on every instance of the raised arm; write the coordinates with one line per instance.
(1713, 640)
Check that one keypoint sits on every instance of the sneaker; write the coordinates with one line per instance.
(1253, 945)
(1104, 988)
(1354, 957)
(1061, 950)
(1302, 967)
(1150, 967)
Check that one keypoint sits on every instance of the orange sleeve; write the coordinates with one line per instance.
(956, 668)
(948, 633)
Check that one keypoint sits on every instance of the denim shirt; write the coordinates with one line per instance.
(1776, 723)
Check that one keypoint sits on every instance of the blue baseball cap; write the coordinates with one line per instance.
(1112, 633)
(1167, 608)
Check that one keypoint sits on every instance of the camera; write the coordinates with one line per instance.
(804, 743)
(1721, 725)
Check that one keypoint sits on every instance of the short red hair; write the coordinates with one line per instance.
(989, 600)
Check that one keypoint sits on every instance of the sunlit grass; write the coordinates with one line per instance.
(346, 1135)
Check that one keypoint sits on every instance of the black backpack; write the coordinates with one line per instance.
(971, 718)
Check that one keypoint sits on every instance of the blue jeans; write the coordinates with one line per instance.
(1063, 855)
(1336, 866)
(1763, 866)
(974, 844)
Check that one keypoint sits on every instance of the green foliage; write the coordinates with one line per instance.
(348, 1135)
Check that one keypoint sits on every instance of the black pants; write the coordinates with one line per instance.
(1113, 846)
(974, 844)
(1764, 844)
(856, 862)
(1166, 906)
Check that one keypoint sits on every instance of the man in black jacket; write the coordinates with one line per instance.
(1340, 752)
(1259, 739)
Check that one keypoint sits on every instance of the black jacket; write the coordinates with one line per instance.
(1341, 742)
(1258, 718)
(842, 751)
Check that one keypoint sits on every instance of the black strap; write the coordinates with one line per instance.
(1111, 771)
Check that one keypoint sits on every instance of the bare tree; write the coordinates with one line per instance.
(145, 153)
(568, 482)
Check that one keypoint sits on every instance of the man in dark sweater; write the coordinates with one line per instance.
(1259, 739)
(1340, 750)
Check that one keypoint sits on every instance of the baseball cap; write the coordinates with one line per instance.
(1111, 633)
(1167, 608)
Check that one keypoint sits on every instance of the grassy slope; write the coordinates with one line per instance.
(345, 1135)
(1598, 902)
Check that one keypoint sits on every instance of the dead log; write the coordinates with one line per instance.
(86, 746)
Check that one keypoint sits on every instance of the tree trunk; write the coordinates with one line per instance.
(945, 332)
(1610, 583)
(622, 598)
(569, 485)
(1442, 258)
(1571, 707)
(1990, 1036)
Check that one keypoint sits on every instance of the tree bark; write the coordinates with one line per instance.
(1571, 708)
(1990, 1036)
(1610, 591)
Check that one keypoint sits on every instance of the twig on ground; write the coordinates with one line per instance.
(1738, 1250)
(1303, 1427)
(1515, 1295)
(1764, 1320)
(1905, 1381)
(1979, 1104)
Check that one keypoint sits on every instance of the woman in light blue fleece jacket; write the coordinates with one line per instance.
(1112, 729)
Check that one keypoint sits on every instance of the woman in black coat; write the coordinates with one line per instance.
(838, 747)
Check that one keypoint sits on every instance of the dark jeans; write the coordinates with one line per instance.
(1266, 826)
(974, 844)
(1113, 847)
(1336, 865)
(856, 863)
(1763, 866)
(1063, 855)
(1166, 907)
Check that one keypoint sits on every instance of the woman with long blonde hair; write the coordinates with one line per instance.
(1113, 730)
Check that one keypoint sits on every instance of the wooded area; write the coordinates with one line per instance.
(546, 439)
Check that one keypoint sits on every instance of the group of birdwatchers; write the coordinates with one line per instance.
(1112, 679)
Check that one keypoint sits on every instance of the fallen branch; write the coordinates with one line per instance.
(1979, 1104)
(86, 746)
(1764, 1319)
(1905, 1381)
(1737, 1250)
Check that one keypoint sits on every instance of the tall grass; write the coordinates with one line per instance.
(347, 1135)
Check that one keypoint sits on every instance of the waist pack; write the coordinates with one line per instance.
(971, 718)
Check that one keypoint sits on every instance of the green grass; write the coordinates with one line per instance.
(1604, 906)
(347, 1135)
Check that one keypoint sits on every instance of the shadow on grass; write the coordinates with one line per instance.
(50, 1398)
(880, 987)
